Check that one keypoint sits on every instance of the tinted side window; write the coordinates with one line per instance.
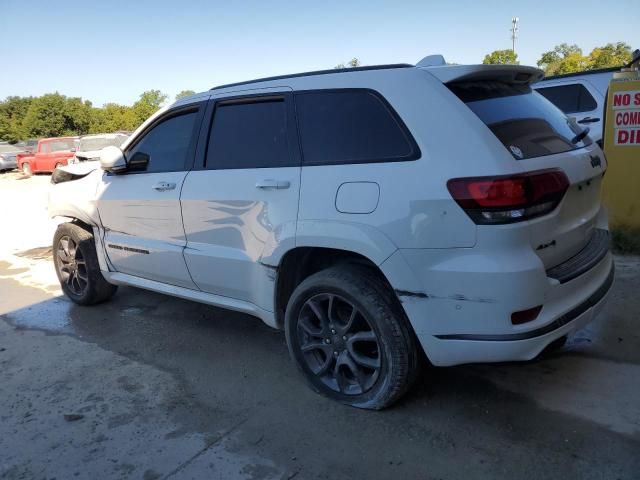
(45, 148)
(249, 135)
(167, 143)
(586, 103)
(570, 98)
(350, 126)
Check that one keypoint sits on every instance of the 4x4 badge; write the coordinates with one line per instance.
(595, 161)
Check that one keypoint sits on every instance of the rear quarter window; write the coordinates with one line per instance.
(526, 123)
(351, 126)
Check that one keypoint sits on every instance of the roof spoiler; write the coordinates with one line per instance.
(512, 74)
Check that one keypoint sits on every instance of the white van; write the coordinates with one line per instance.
(581, 96)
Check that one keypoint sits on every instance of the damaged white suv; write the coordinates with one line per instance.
(372, 213)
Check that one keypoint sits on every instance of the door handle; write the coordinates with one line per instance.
(275, 184)
(588, 120)
(163, 186)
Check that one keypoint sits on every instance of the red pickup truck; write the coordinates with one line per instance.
(50, 154)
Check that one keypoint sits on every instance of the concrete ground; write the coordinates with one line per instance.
(152, 387)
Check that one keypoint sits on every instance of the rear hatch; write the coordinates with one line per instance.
(540, 137)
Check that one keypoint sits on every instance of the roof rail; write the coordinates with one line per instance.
(317, 72)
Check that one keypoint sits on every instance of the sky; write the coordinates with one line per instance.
(111, 51)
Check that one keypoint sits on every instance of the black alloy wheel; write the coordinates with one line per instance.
(339, 345)
(72, 266)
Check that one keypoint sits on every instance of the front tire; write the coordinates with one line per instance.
(350, 338)
(77, 267)
(26, 170)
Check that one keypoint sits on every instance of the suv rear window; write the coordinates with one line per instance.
(570, 98)
(524, 121)
(351, 126)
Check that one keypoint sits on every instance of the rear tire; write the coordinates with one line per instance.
(367, 359)
(26, 170)
(77, 267)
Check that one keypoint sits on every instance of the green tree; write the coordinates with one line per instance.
(558, 53)
(354, 62)
(12, 113)
(611, 55)
(53, 115)
(149, 102)
(565, 58)
(501, 57)
(112, 118)
(184, 93)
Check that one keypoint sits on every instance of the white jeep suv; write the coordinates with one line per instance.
(372, 213)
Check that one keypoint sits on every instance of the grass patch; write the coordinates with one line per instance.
(626, 240)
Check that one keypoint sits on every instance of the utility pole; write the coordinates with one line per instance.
(514, 33)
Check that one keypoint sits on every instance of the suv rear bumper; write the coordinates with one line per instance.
(475, 327)
(574, 314)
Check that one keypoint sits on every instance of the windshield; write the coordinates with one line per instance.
(98, 143)
(60, 145)
(522, 119)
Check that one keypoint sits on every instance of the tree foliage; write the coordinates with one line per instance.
(354, 62)
(565, 58)
(501, 57)
(53, 115)
(611, 55)
(184, 93)
(12, 111)
(147, 105)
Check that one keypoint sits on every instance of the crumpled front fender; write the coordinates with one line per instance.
(74, 195)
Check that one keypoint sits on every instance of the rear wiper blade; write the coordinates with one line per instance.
(580, 136)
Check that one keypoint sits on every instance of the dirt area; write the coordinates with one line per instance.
(148, 387)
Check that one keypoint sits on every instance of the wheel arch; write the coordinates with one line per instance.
(302, 261)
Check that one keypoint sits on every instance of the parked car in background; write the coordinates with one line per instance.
(8, 157)
(581, 96)
(29, 146)
(373, 213)
(89, 146)
(49, 154)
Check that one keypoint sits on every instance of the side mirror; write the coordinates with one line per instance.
(138, 162)
(112, 160)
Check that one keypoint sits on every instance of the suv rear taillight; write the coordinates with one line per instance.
(509, 198)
